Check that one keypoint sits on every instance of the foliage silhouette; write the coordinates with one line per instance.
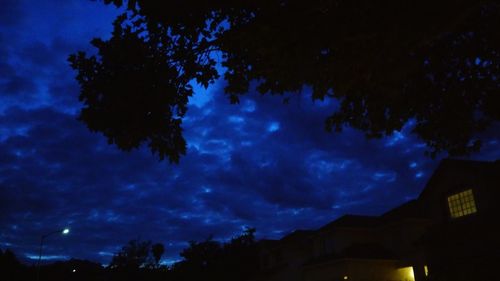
(137, 254)
(138, 260)
(236, 259)
(212, 260)
(435, 64)
(157, 250)
(11, 267)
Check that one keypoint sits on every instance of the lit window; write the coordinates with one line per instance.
(462, 204)
(406, 273)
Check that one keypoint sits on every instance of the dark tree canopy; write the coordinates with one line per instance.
(137, 254)
(157, 251)
(236, 259)
(435, 63)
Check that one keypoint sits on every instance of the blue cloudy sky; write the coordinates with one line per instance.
(261, 164)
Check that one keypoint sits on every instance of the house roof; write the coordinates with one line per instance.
(448, 166)
(296, 235)
(355, 221)
(413, 209)
(266, 243)
(410, 209)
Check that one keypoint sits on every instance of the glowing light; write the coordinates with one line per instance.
(426, 270)
(65, 231)
(406, 273)
(346, 277)
(74, 270)
(462, 204)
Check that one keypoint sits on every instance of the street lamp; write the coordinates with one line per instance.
(63, 231)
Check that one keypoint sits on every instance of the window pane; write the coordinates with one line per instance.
(462, 204)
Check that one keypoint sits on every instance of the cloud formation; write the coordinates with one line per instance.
(261, 163)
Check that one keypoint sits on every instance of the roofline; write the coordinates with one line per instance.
(331, 227)
(444, 163)
(328, 225)
(340, 260)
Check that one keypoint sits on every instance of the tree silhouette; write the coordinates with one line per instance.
(11, 268)
(157, 251)
(138, 260)
(434, 63)
(138, 254)
(200, 261)
(212, 260)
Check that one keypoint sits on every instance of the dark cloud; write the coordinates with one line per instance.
(17, 87)
(10, 13)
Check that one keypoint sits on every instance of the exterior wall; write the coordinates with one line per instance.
(359, 270)
(400, 237)
(463, 248)
(282, 274)
(284, 262)
(293, 253)
(337, 240)
(295, 257)
(452, 177)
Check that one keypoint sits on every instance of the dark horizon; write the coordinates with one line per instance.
(373, 242)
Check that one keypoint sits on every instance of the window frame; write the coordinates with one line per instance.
(460, 202)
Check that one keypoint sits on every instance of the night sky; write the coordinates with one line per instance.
(259, 164)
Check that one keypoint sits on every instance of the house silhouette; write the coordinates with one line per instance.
(450, 232)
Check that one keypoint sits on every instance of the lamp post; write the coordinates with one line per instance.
(63, 231)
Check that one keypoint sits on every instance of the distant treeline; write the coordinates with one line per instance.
(236, 259)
